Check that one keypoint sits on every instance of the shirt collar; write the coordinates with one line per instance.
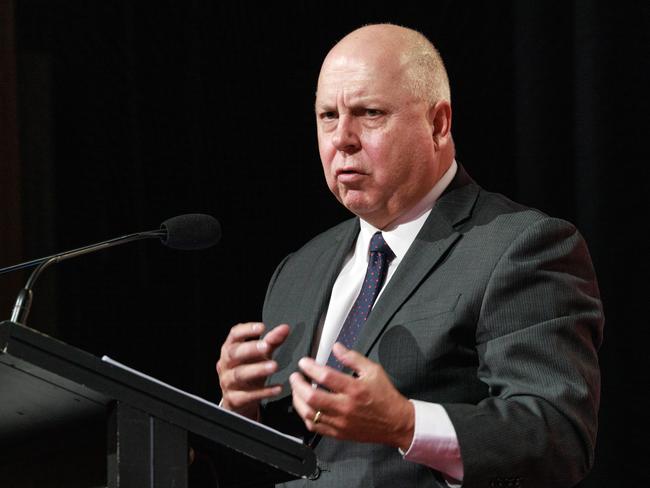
(403, 231)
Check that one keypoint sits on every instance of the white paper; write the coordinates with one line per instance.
(117, 364)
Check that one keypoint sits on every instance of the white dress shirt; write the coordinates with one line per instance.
(435, 443)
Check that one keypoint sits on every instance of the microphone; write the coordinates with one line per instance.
(191, 232)
(185, 232)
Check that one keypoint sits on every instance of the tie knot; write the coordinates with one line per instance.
(378, 244)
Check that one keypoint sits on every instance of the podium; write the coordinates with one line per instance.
(152, 430)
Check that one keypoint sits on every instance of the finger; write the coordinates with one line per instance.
(323, 429)
(352, 359)
(302, 408)
(237, 399)
(330, 378)
(247, 376)
(326, 425)
(244, 332)
(248, 352)
(277, 335)
(316, 398)
(329, 421)
(308, 415)
(306, 412)
(240, 348)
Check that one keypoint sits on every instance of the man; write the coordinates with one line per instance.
(471, 322)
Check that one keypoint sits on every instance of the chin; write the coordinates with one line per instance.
(355, 205)
(362, 212)
(359, 203)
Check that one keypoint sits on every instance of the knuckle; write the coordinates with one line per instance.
(367, 401)
(236, 332)
(264, 392)
(237, 401)
(233, 352)
(236, 376)
(229, 379)
(346, 409)
(226, 397)
(310, 396)
(224, 383)
(356, 392)
(241, 353)
(255, 395)
(361, 399)
(326, 376)
(225, 350)
(232, 334)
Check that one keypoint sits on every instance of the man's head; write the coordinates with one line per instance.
(384, 117)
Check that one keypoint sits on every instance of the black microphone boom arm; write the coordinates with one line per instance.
(24, 300)
(83, 250)
(187, 232)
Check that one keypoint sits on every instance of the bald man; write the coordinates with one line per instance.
(453, 332)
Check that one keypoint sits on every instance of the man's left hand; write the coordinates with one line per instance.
(363, 408)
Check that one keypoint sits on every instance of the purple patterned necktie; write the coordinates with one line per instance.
(380, 257)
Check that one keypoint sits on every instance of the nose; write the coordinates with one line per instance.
(345, 138)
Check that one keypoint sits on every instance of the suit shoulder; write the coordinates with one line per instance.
(326, 239)
(496, 203)
(500, 210)
(297, 270)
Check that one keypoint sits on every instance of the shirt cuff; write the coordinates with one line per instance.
(435, 443)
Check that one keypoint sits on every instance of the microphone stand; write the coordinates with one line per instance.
(25, 296)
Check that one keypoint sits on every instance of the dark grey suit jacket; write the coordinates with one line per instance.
(494, 313)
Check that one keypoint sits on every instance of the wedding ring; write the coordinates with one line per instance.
(316, 418)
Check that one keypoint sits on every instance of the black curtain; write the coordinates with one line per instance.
(132, 112)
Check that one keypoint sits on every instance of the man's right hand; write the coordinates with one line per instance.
(244, 365)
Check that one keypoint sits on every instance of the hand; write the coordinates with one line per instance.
(366, 408)
(244, 365)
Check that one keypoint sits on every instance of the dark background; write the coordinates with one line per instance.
(117, 115)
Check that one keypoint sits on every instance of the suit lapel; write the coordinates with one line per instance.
(324, 274)
(318, 289)
(435, 238)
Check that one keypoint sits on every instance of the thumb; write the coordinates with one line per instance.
(351, 359)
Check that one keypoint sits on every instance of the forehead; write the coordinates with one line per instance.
(353, 77)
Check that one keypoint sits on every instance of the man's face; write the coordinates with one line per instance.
(374, 137)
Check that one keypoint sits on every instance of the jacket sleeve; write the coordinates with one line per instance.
(537, 335)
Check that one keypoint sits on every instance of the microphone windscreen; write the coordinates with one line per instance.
(191, 232)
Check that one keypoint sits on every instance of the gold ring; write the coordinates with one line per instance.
(317, 417)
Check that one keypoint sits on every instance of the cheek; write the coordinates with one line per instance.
(327, 153)
(404, 158)
(325, 148)
(376, 147)
(387, 157)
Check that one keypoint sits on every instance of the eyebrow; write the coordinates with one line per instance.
(357, 102)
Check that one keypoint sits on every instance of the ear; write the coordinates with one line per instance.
(440, 120)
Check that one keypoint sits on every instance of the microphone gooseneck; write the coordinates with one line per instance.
(25, 296)
(188, 232)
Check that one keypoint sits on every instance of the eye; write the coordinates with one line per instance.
(373, 112)
(330, 115)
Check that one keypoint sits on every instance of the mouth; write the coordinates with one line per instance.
(348, 171)
(350, 176)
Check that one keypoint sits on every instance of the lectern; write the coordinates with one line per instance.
(151, 428)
